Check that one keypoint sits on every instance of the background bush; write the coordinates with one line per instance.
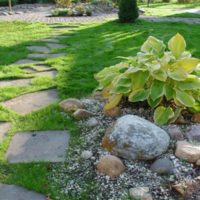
(128, 11)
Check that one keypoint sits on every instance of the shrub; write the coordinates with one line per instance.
(63, 3)
(77, 10)
(80, 10)
(168, 80)
(128, 11)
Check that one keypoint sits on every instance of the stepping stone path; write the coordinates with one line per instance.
(36, 146)
(27, 103)
(13, 192)
(4, 126)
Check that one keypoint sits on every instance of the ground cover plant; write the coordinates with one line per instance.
(92, 47)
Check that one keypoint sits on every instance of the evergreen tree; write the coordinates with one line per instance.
(128, 11)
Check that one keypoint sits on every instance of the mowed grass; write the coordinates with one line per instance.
(171, 10)
(92, 47)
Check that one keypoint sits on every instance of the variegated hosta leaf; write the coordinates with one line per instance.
(160, 74)
(139, 79)
(121, 86)
(113, 101)
(177, 74)
(154, 46)
(177, 45)
(163, 114)
(157, 89)
(168, 91)
(192, 82)
(188, 65)
(139, 95)
(185, 98)
(155, 103)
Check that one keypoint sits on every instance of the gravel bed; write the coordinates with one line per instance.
(79, 179)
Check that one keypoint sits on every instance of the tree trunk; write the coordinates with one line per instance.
(148, 2)
(10, 5)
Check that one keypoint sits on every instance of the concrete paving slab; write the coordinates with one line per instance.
(42, 67)
(51, 73)
(37, 146)
(44, 56)
(13, 192)
(4, 127)
(55, 46)
(16, 82)
(39, 49)
(50, 40)
(31, 102)
(26, 61)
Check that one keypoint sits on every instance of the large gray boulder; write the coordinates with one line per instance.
(133, 137)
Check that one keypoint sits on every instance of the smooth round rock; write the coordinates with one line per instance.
(71, 105)
(92, 122)
(110, 165)
(86, 155)
(163, 166)
(140, 193)
(82, 114)
(133, 137)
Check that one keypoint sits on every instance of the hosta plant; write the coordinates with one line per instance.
(167, 78)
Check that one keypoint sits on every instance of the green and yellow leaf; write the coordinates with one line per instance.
(163, 114)
(177, 45)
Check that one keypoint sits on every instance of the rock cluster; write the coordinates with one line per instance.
(142, 156)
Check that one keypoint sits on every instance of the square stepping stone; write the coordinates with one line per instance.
(17, 82)
(51, 73)
(13, 192)
(42, 67)
(49, 146)
(45, 56)
(4, 127)
(26, 61)
(50, 40)
(31, 102)
(29, 70)
(55, 46)
(39, 49)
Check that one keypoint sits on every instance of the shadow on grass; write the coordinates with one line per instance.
(99, 45)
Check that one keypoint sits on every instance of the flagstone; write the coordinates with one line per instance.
(40, 49)
(45, 56)
(29, 70)
(26, 61)
(31, 102)
(42, 67)
(49, 146)
(16, 82)
(50, 40)
(14, 192)
(4, 127)
(55, 46)
(51, 73)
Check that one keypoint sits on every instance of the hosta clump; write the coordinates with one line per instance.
(169, 80)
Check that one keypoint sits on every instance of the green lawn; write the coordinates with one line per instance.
(93, 47)
(170, 10)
